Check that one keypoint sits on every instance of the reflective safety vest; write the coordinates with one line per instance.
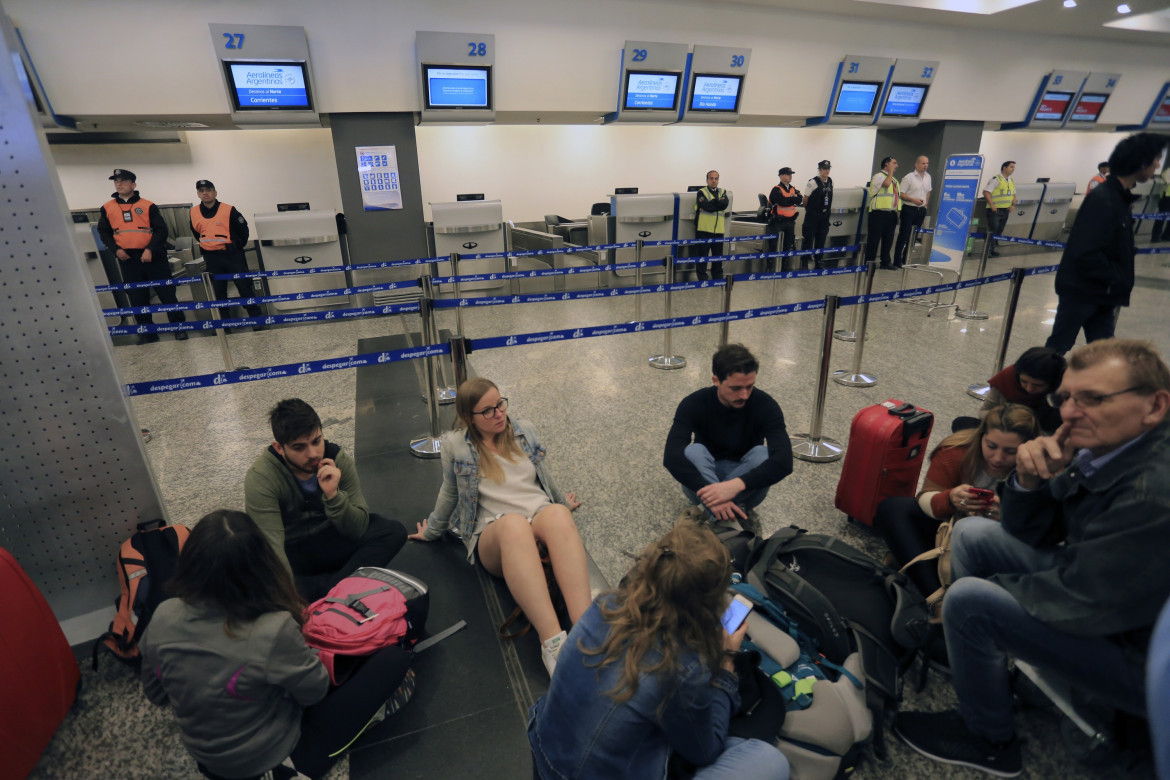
(785, 211)
(1093, 182)
(1004, 192)
(709, 221)
(1166, 184)
(214, 232)
(131, 223)
(884, 200)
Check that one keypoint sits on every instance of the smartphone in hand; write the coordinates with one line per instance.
(983, 494)
(736, 613)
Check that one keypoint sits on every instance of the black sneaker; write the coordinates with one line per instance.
(147, 338)
(180, 335)
(943, 736)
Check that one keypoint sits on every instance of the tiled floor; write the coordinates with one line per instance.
(604, 413)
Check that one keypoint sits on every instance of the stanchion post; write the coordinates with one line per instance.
(428, 444)
(779, 267)
(725, 327)
(851, 333)
(981, 390)
(458, 295)
(854, 377)
(460, 346)
(638, 278)
(973, 313)
(668, 360)
(209, 292)
(812, 446)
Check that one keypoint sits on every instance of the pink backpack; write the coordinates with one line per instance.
(368, 610)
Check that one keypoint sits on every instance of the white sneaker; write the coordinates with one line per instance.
(550, 649)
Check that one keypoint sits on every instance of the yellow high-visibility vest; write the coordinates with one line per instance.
(709, 221)
(883, 199)
(1004, 192)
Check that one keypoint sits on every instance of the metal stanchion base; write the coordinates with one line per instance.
(843, 377)
(668, 362)
(845, 335)
(817, 450)
(971, 315)
(446, 395)
(425, 446)
(979, 392)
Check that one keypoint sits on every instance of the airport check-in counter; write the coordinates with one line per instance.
(301, 239)
(1023, 216)
(469, 227)
(845, 216)
(647, 217)
(1147, 203)
(1053, 211)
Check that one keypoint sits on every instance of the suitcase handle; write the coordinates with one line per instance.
(904, 411)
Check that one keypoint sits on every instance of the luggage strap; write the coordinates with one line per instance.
(439, 637)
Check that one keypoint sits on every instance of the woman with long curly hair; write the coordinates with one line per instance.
(647, 671)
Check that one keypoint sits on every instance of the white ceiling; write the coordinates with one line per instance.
(1149, 21)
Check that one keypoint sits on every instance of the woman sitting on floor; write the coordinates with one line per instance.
(648, 670)
(505, 503)
(1035, 374)
(249, 695)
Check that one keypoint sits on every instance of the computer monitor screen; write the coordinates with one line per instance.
(1162, 115)
(1088, 107)
(905, 100)
(1053, 106)
(651, 90)
(457, 87)
(857, 98)
(716, 93)
(269, 86)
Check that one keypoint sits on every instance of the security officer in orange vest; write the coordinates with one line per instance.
(222, 233)
(1102, 172)
(782, 218)
(133, 227)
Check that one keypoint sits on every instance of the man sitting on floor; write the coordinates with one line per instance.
(1073, 578)
(727, 467)
(304, 494)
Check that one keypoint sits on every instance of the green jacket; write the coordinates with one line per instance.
(273, 498)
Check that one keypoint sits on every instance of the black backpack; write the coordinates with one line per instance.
(835, 593)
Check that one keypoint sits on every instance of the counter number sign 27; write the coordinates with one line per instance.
(234, 40)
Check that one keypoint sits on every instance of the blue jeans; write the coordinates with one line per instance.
(713, 470)
(746, 759)
(984, 624)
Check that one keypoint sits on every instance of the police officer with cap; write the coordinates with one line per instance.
(784, 199)
(133, 227)
(222, 233)
(818, 202)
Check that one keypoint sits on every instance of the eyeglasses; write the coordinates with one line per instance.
(1086, 399)
(492, 411)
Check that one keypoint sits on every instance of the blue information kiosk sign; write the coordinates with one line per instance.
(960, 191)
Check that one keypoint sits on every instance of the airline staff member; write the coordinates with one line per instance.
(133, 227)
(1102, 172)
(1161, 228)
(223, 233)
(782, 220)
(710, 204)
(884, 200)
(1000, 194)
(818, 203)
(915, 194)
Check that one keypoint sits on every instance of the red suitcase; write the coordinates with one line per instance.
(887, 442)
(38, 672)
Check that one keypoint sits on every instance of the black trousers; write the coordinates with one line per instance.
(785, 241)
(1161, 229)
(813, 233)
(1097, 320)
(882, 225)
(326, 558)
(996, 222)
(158, 269)
(909, 532)
(707, 250)
(231, 261)
(911, 219)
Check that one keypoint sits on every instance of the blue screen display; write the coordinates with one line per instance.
(457, 88)
(905, 99)
(716, 93)
(649, 90)
(857, 97)
(259, 86)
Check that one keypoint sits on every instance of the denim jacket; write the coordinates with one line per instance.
(579, 732)
(459, 495)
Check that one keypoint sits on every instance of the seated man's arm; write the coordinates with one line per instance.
(346, 509)
(674, 458)
(770, 420)
(262, 503)
(1027, 508)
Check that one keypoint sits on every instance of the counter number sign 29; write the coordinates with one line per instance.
(234, 40)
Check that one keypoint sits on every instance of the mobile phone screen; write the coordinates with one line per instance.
(735, 615)
(983, 493)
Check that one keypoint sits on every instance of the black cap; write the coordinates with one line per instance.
(786, 170)
(204, 184)
(122, 173)
(824, 165)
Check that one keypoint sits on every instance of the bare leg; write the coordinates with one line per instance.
(507, 548)
(554, 526)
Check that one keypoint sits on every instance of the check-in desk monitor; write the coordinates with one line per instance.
(470, 227)
(1053, 105)
(905, 100)
(1088, 108)
(301, 239)
(461, 87)
(648, 90)
(1161, 115)
(1053, 211)
(857, 98)
(715, 93)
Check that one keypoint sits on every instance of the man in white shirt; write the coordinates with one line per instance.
(915, 195)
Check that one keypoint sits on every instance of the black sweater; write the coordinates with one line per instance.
(1097, 264)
